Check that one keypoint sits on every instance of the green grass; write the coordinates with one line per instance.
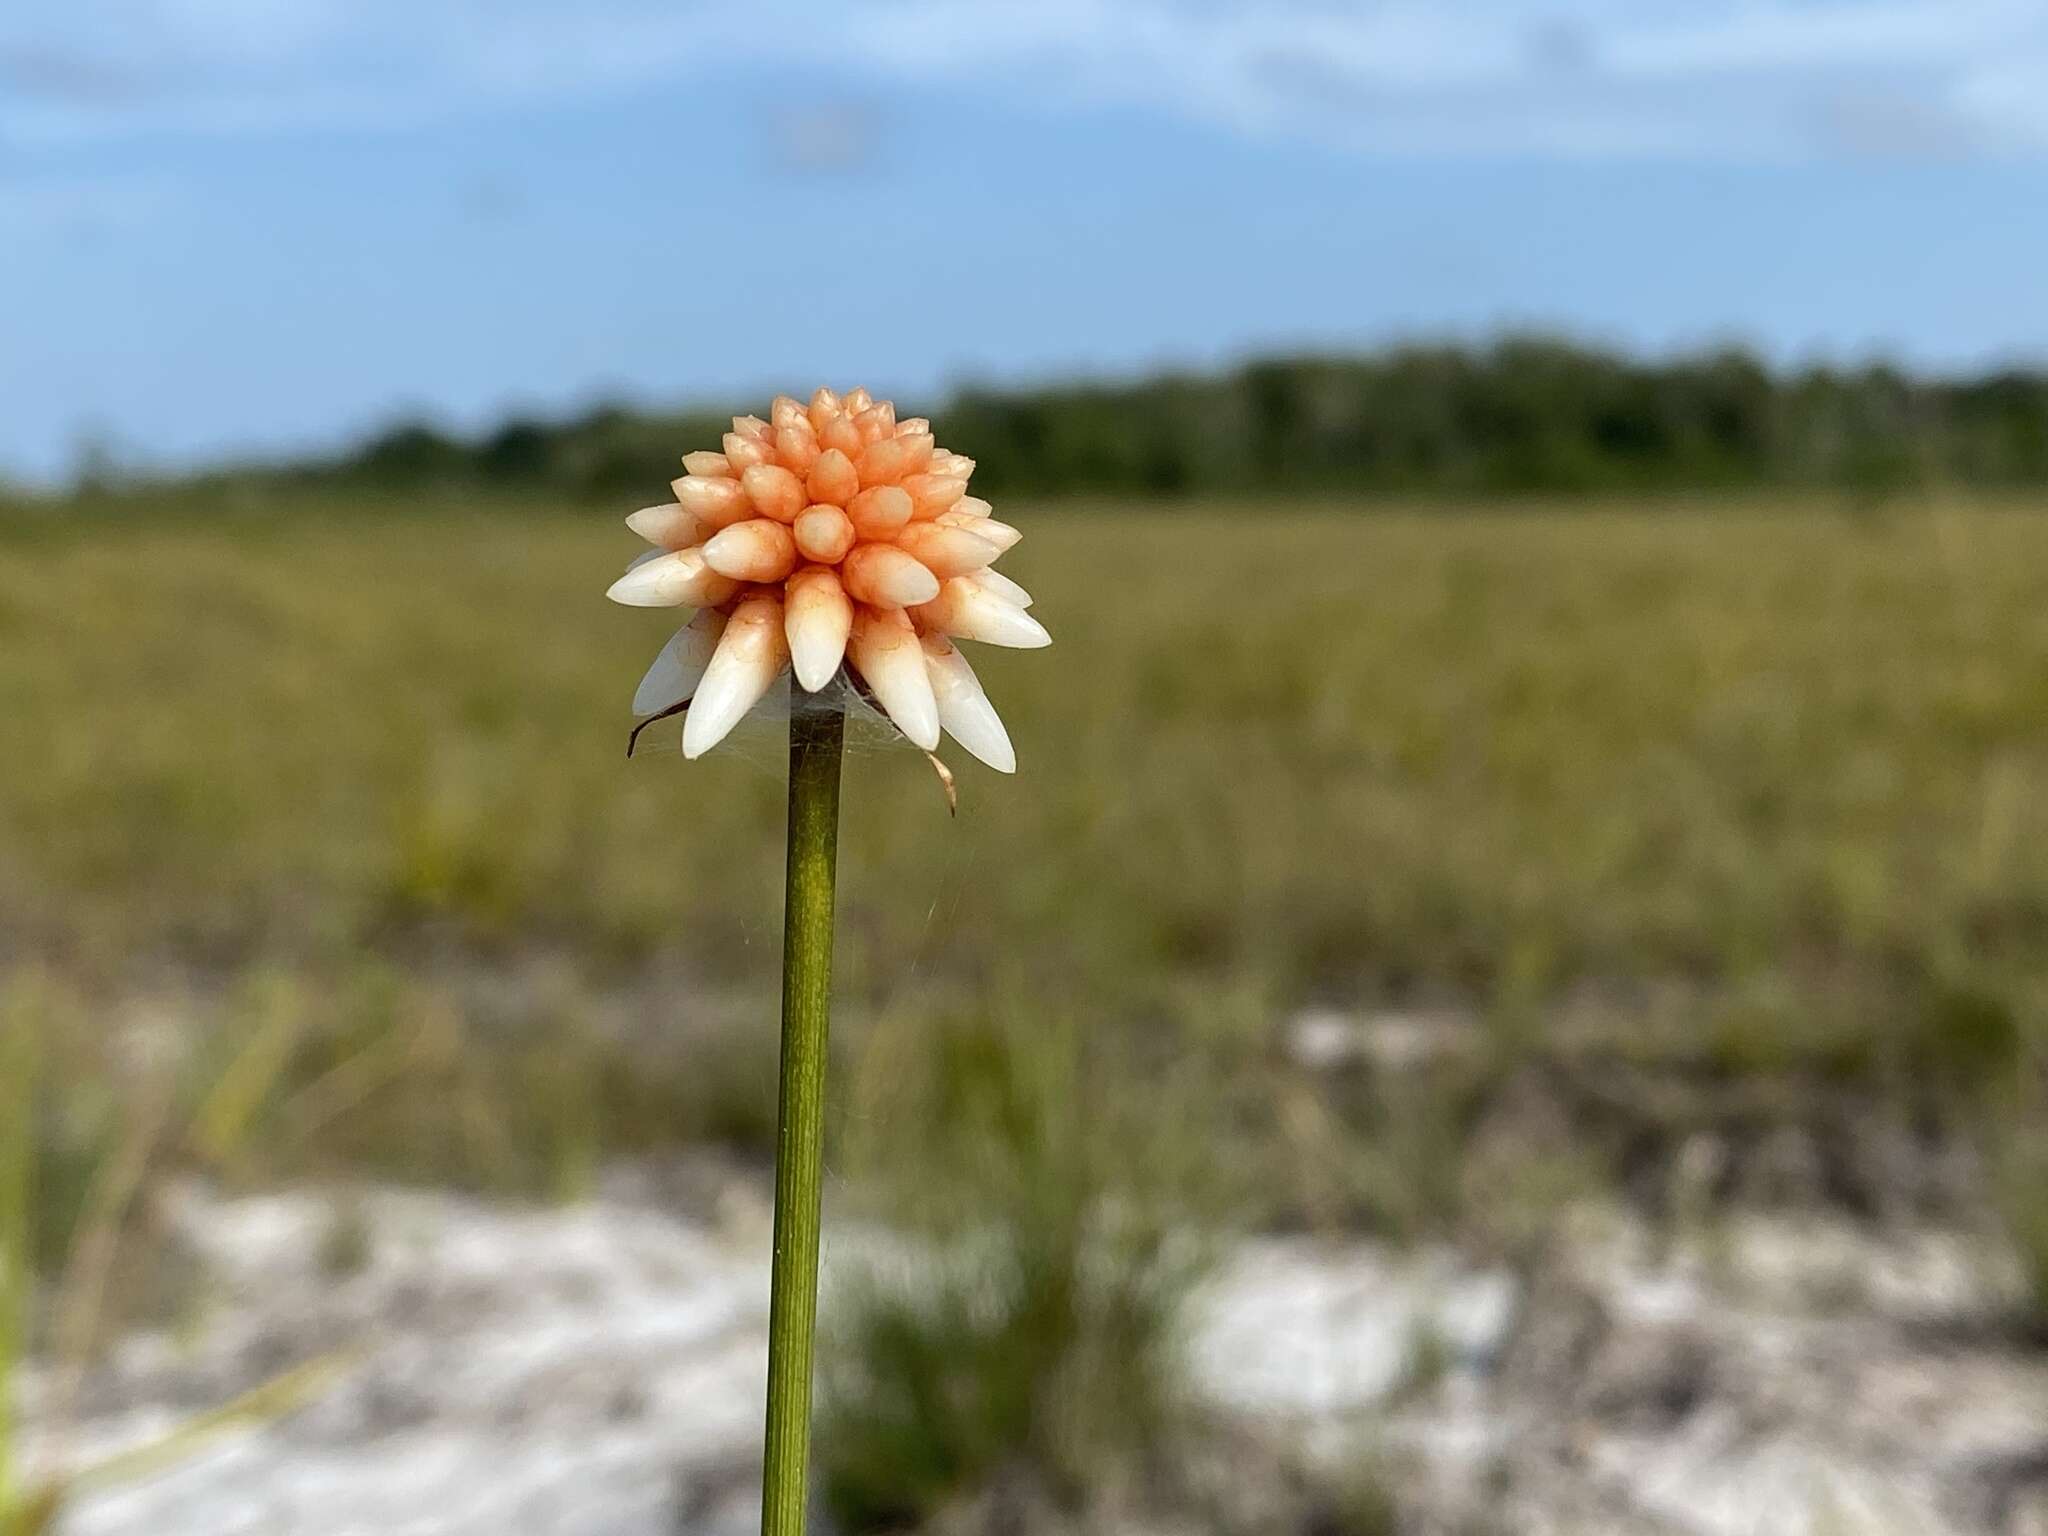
(81, 1250)
(1033, 1334)
(319, 855)
(1745, 793)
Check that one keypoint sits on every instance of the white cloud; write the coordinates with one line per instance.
(1716, 79)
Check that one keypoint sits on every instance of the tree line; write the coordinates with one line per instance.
(1524, 414)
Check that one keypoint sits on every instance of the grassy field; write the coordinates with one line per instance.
(1746, 798)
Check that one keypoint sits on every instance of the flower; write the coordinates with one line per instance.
(830, 533)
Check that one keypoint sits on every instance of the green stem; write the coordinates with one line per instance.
(815, 737)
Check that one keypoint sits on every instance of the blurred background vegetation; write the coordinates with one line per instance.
(1692, 790)
(1525, 414)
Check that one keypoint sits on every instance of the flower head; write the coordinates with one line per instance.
(830, 534)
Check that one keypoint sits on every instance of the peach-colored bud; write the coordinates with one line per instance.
(942, 551)
(879, 513)
(716, 502)
(855, 401)
(883, 463)
(944, 463)
(752, 426)
(886, 577)
(817, 615)
(919, 445)
(840, 433)
(933, 494)
(785, 411)
(744, 452)
(913, 426)
(759, 549)
(833, 478)
(824, 533)
(797, 447)
(712, 466)
(824, 406)
(876, 423)
(774, 491)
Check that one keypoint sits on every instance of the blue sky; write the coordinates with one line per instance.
(247, 226)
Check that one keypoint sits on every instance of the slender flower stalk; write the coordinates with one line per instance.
(815, 734)
(837, 543)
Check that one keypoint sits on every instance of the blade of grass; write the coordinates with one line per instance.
(245, 1086)
(263, 1404)
(18, 1072)
(81, 1294)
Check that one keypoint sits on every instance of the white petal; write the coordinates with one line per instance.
(712, 501)
(998, 533)
(946, 551)
(750, 656)
(974, 613)
(994, 581)
(678, 669)
(817, 617)
(672, 580)
(669, 526)
(973, 516)
(964, 709)
(884, 648)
